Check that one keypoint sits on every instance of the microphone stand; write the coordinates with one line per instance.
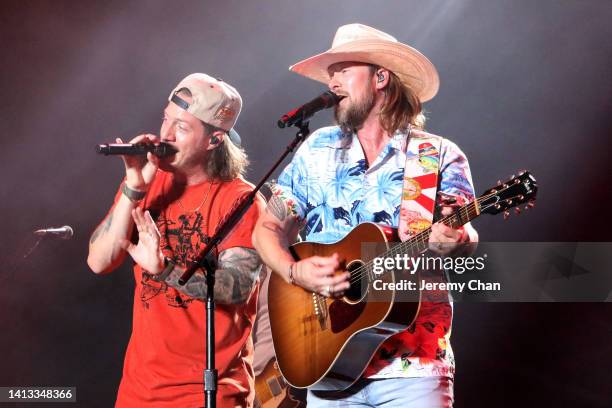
(201, 261)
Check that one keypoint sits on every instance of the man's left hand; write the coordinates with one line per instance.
(443, 239)
(146, 253)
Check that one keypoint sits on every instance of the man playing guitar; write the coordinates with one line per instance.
(356, 172)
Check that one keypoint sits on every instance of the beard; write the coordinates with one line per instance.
(354, 115)
(184, 162)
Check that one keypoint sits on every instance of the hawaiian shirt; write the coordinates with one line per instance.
(330, 189)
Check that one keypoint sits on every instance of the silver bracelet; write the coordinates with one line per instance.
(291, 280)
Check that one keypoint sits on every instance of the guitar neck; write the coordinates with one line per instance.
(512, 193)
(420, 242)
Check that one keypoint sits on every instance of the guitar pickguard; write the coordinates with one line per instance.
(342, 314)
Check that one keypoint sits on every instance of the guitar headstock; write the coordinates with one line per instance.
(518, 190)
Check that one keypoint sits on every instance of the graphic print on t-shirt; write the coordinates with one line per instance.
(181, 240)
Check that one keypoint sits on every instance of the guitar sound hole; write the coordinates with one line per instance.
(358, 281)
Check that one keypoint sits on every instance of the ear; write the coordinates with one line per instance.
(216, 139)
(381, 78)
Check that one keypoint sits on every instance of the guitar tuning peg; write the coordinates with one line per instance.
(506, 214)
(521, 172)
(517, 210)
(512, 176)
(531, 204)
(499, 182)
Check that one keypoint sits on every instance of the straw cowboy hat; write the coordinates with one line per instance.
(360, 43)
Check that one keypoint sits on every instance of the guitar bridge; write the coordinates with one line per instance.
(320, 309)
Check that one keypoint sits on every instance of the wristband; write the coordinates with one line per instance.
(133, 195)
(168, 268)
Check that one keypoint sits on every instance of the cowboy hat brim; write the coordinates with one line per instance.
(413, 68)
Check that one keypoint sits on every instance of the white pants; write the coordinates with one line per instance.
(416, 392)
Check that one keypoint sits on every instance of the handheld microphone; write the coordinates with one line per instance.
(128, 149)
(65, 232)
(304, 112)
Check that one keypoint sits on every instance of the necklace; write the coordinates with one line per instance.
(199, 206)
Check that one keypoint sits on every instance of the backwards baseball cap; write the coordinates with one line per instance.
(214, 102)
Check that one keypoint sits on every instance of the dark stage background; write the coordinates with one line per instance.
(525, 84)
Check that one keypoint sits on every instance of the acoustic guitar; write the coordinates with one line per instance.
(325, 343)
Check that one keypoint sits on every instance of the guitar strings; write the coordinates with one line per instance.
(423, 237)
(419, 240)
(416, 241)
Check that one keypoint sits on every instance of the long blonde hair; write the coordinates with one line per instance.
(401, 107)
(227, 161)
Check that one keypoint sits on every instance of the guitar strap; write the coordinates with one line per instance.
(420, 183)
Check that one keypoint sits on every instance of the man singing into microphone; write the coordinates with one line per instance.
(163, 214)
(377, 165)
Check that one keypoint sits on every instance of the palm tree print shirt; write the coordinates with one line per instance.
(329, 188)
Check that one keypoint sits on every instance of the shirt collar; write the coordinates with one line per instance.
(341, 140)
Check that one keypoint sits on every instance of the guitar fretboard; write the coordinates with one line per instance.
(420, 242)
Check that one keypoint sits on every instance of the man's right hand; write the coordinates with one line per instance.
(276, 228)
(318, 274)
(140, 171)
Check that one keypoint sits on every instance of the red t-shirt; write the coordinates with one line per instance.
(166, 354)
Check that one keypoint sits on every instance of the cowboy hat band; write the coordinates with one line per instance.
(361, 43)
